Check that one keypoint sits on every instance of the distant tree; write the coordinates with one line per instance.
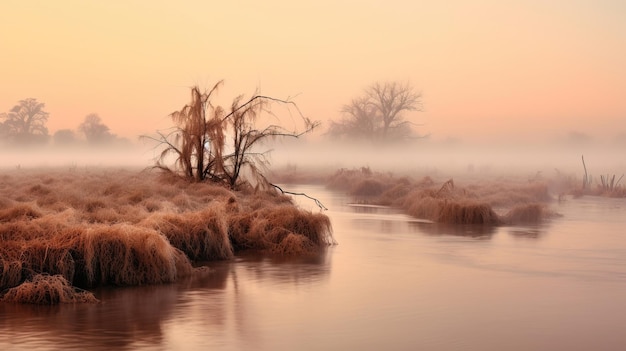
(26, 122)
(64, 137)
(379, 113)
(95, 131)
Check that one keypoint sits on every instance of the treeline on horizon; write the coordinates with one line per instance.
(25, 125)
(377, 115)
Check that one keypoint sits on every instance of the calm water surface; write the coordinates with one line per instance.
(392, 283)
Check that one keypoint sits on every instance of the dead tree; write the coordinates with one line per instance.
(199, 139)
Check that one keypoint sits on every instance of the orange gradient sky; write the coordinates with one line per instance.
(488, 69)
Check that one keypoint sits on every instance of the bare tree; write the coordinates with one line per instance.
(26, 122)
(199, 141)
(361, 120)
(379, 113)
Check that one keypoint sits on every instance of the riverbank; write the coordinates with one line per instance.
(66, 230)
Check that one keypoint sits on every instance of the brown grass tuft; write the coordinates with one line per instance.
(19, 212)
(265, 229)
(127, 255)
(42, 256)
(39, 190)
(526, 214)
(10, 272)
(368, 187)
(201, 235)
(294, 244)
(466, 212)
(422, 207)
(47, 290)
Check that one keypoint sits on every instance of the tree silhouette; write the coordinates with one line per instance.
(379, 113)
(26, 122)
(210, 144)
(95, 131)
(64, 137)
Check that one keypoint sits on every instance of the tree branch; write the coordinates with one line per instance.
(317, 202)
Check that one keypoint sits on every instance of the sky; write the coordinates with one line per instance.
(488, 70)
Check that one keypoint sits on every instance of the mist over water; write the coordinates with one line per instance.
(488, 233)
(454, 158)
(393, 281)
(417, 157)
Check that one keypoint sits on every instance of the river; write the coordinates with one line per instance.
(391, 283)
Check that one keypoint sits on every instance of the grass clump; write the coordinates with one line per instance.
(466, 212)
(10, 272)
(19, 212)
(284, 230)
(480, 203)
(45, 289)
(117, 228)
(201, 235)
(528, 214)
(128, 255)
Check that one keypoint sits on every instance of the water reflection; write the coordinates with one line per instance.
(281, 271)
(389, 220)
(126, 316)
(136, 317)
(534, 232)
(396, 283)
(473, 231)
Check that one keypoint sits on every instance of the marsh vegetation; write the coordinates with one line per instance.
(61, 231)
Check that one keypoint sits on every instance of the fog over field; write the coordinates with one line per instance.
(484, 88)
(425, 157)
(313, 175)
(417, 158)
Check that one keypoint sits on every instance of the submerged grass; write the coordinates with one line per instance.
(63, 231)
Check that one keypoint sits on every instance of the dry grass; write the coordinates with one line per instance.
(127, 255)
(201, 235)
(92, 227)
(466, 212)
(527, 214)
(47, 290)
(19, 212)
(281, 230)
(451, 211)
(448, 202)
